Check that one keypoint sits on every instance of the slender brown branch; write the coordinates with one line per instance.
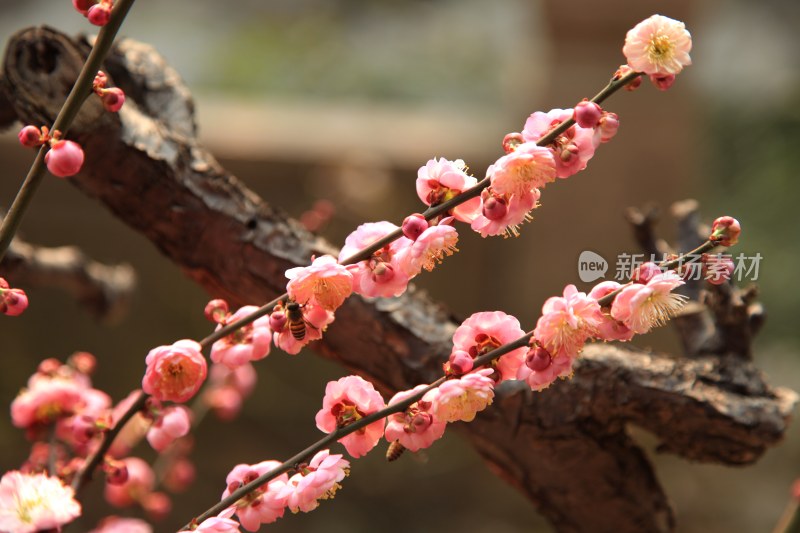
(63, 121)
(94, 460)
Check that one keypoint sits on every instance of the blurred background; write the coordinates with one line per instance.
(342, 101)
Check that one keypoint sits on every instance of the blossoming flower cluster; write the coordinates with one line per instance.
(67, 418)
(60, 400)
(311, 482)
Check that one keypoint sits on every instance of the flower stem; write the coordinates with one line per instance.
(80, 91)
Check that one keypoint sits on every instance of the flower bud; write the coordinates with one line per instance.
(460, 362)
(414, 225)
(30, 136)
(725, 231)
(421, 421)
(113, 99)
(662, 81)
(100, 81)
(49, 366)
(157, 505)
(83, 6)
(717, 269)
(99, 14)
(64, 158)
(587, 114)
(13, 301)
(568, 151)
(382, 273)
(116, 472)
(538, 359)
(645, 272)
(83, 362)
(608, 126)
(216, 310)
(83, 428)
(624, 70)
(277, 321)
(495, 208)
(511, 141)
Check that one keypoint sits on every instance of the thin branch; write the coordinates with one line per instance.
(63, 121)
(94, 460)
(105, 290)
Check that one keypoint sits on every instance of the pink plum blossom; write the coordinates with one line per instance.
(642, 307)
(540, 369)
(265, 504)
(325, 282)
(440, 180)
(462, 398)
(227, 389)
(501, 215)
(175, 373)
(572, 149)
(658, 45)
(429, 249)
(315, 318)
(609, 329)
(35, 502)
(381, 274)
(46, 399)
(416, 427)
(567, 322)
(346, 401)
(140, 482)
(115, 524)
(527, 168)
(483, 332)
(64, 158)
(248, 343)
(172, 423)
(315, 481)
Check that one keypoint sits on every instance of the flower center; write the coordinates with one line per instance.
(660, 48)
(346, 413)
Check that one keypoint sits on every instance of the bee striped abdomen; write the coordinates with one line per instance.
(297, 323)
(298, 330)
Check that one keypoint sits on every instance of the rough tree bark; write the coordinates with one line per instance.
(566, 449)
